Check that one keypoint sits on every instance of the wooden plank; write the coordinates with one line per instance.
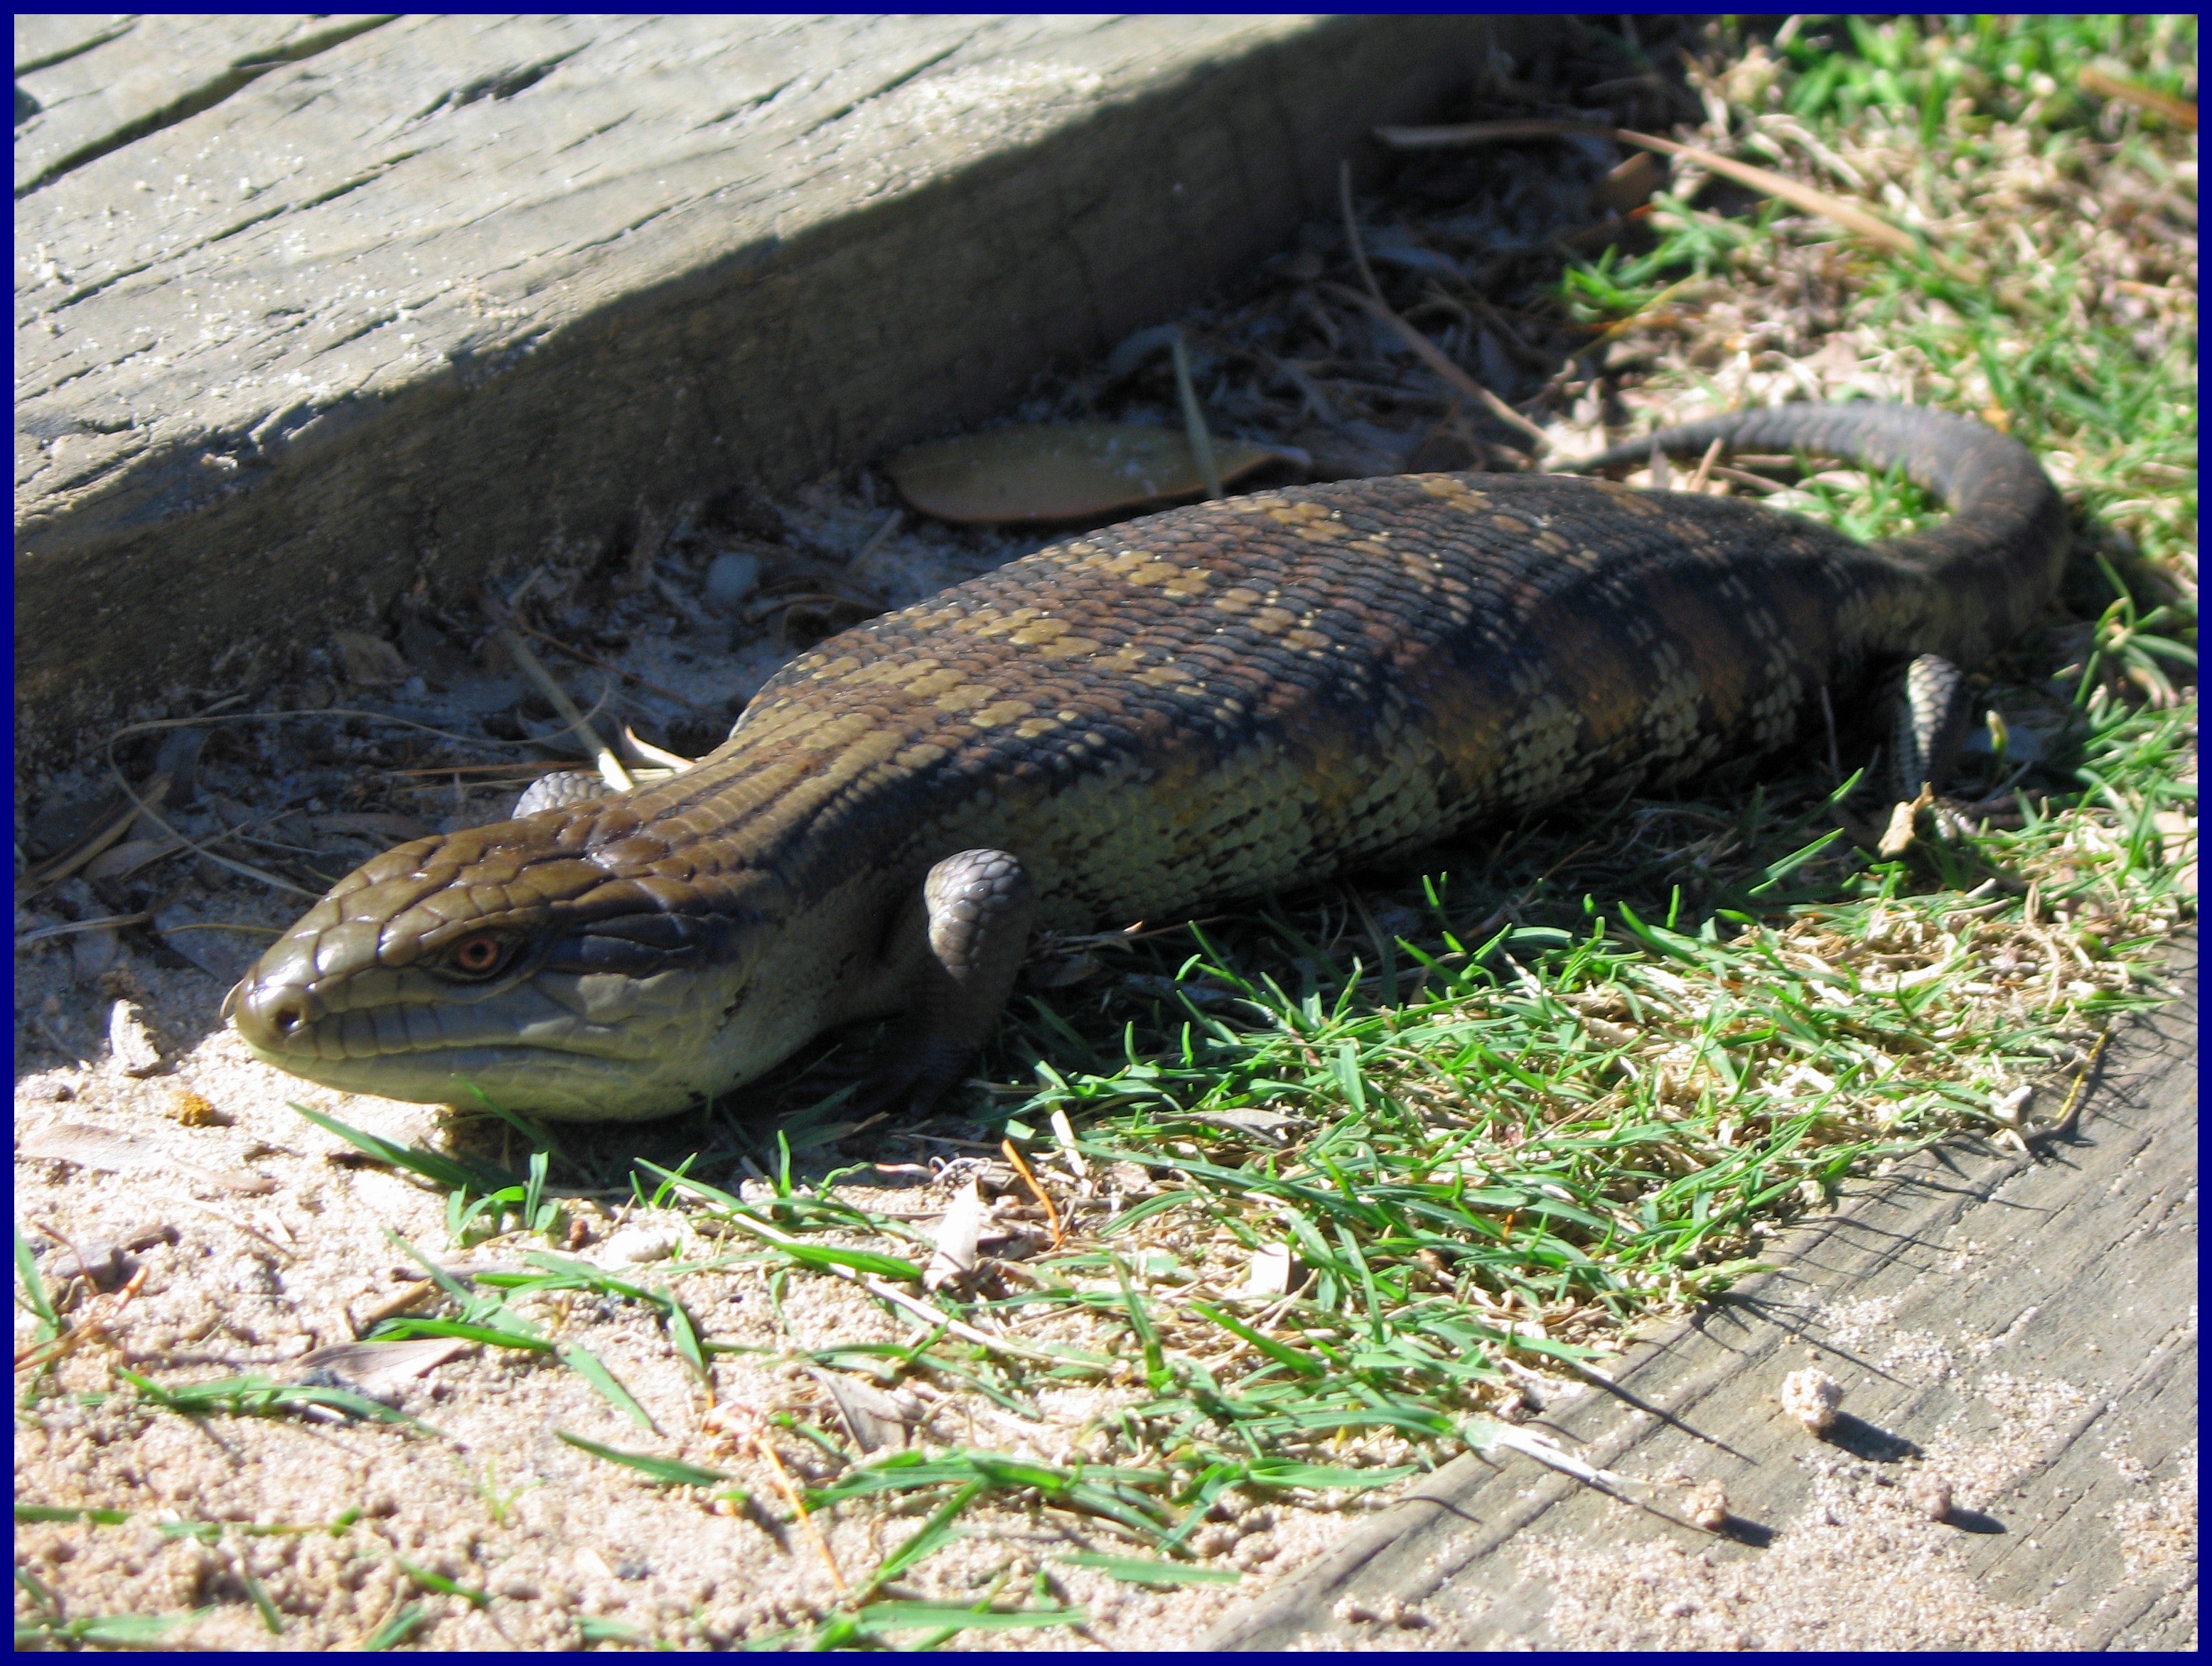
(96, 84)
(457, 295)
(2022, 1328)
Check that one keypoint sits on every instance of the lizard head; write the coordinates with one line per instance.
(578, 963)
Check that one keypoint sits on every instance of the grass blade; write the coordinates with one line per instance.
(589, 1366)
(914, 1616)
(664, 1471)
(933, 1533)
(434, 1166)
(1144, 1570)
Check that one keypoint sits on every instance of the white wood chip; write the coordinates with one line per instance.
(130, 1043)
(957, 1235)
(1269, 1274)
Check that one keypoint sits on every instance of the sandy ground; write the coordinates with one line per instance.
(263, 1239)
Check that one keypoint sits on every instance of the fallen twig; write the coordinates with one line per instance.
(1051, 1214)
(1849, 215)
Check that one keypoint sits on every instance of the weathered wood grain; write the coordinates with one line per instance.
(103, 81)
(2024, 1326)
(447, 294)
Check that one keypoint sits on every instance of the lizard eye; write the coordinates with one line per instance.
(479, 955)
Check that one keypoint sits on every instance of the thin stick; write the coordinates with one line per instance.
(1352, 230)
(1194, 420)
(1835, 757)
(1706, 468)
(1740, 477)
(1429, 353)
(68, 926)
(877, 539)
(589, 659)
(1846, 215)
(157, 791)
(2072, 1109)
(1433, 356)
(69, 861)
(611, 768)
(1051, 1214)
(2180, 112)
(92, 1327)
(799, 1505)
(203, 847)
(531, 766)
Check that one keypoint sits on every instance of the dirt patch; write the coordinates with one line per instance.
(325, 1521)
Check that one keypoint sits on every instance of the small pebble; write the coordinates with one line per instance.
(1215, 1541)
(1394, 1612)
(1931, 1496)
(96, 1260)
(1259, 1548)
(1707, 1505)
(1812, 1398)
(634, 1244)
(730, 579)
(93, 953)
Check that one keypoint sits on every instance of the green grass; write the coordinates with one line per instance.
(256, 1395)
(1571, 1078)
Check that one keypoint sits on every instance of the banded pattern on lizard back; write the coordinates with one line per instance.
(1186, 709)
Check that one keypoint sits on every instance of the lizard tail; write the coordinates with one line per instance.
(1995, 561)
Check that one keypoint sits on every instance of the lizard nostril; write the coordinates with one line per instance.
(268, 1016)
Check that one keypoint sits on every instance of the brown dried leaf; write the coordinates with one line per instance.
(91, 1148)
(120, 1153)
(1629, 186)
(875, 1419)
(121, 861)
(369, 662)
(1051, 471)
(376, 1368)
(150, 797)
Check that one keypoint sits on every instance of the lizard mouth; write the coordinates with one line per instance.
(559, 1083)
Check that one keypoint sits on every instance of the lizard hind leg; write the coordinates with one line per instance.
(979, 905)
(1934, 708)
(561, 790)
